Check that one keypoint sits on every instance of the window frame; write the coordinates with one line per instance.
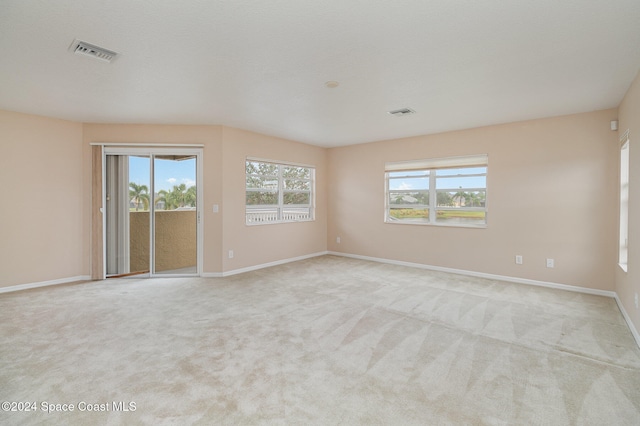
(624, 164)
(280, 212)
(430, 167)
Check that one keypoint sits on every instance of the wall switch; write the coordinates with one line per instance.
(550, 263)
(230, 254)
(518, 260)
(636, 300)
(338, 240)
(216, 208)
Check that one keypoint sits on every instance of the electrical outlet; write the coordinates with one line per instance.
(338, 240)
(230, 254)
(550, 263)
(518, 259)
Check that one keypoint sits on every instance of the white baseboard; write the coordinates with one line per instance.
(634, 332)
(482, 275)
(44, 283)
(261, 266)
(211, 275)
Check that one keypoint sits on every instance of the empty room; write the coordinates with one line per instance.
(336, 212)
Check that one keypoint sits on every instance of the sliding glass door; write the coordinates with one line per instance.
(175, 216)
(152, 217)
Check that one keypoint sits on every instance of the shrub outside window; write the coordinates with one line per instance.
(444, 191)
(278, 192)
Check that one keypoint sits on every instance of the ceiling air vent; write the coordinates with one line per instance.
(83, 48)
(402, 111)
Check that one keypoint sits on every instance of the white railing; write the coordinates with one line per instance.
(262, 216)
(256, 216)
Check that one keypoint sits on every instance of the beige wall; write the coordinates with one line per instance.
(551, 194)
(41, 229)
(259, 244)
(225, 151)
(628, 284)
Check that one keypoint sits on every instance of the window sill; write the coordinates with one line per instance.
(623, 266)
(440, 225)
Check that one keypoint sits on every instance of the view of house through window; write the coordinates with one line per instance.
(277, 192)
(444, 191)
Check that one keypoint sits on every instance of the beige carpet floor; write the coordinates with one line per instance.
(324, 341)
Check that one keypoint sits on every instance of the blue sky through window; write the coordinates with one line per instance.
(405, 180)
(168, 173)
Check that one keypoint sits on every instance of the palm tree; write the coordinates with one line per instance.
(476, 199)
(168, 198)
(191, 196)
(179, 196)
(461, 198)
(139, 194)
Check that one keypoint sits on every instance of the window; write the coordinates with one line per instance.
(624, 201)
(442, 191)
(278, 192)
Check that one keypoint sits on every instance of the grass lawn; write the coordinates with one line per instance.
(443, 214)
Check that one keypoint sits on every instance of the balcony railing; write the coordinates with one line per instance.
(270, 215)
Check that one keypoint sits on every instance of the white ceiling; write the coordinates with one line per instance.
(262, 65)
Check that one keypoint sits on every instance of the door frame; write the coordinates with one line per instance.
(101, 150)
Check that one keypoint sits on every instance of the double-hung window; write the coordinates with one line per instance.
(278, 192)
(441, 191)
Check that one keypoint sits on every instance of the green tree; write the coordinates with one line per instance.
(461, 198)
(179, 196)
(191, 196)
(262, 176)
(476, 199)
(139, 194)
(444, 199)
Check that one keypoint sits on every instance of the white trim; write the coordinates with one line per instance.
(152, 150)
(281, 190)
(28, 286)
(286, 163)
(527, 281)
(627, 318)
(200, 210)
(103, 212)
(264, 265)
(149, 145)
(624, 138)
(479, 160)
(211, 275)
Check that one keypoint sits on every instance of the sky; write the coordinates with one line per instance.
(420, 181)
(167, 173)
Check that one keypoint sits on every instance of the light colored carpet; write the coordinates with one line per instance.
(328, 340)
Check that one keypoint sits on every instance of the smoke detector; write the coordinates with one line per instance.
(402, 111)
(83, 48)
